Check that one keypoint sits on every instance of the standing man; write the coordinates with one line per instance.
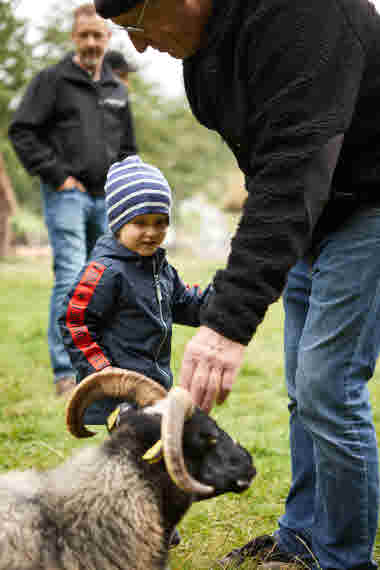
(293, 87)
(73, 122)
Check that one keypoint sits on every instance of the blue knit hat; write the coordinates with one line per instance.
(134, 188)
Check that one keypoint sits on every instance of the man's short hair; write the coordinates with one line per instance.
(87, 10)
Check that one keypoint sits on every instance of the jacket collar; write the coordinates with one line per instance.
(108, 245)
(74, 72)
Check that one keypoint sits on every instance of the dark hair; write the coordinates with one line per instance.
(118, 62)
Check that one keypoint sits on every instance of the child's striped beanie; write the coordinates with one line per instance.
(134, 188)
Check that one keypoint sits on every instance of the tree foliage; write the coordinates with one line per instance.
(193, 158)
(16, 67)
(14, 60)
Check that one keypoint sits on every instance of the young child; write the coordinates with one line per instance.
(124, 302)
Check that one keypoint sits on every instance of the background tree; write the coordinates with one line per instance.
(14, 60)
(193, 158)
(16, 69)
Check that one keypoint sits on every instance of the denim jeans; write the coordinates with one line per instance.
(74, 220)
(332, 341)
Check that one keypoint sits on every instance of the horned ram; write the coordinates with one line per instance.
(114, 506)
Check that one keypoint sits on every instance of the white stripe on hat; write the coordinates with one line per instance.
(137, 207)
(138, 193)
(134, 183)
(122, 167)
(138, 166)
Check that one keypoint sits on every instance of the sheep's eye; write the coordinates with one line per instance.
(212, 441)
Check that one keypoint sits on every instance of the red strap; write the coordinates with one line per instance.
(75, 316)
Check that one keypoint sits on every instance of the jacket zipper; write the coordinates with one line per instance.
(157, 286)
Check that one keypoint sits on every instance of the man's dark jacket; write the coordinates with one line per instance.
(120, 312)
(293, 87)
(69, 125)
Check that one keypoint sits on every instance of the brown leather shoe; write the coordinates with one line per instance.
(64, 386)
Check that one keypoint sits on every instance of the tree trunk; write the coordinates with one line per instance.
(8, 207)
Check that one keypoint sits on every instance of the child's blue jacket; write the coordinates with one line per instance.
(120, 312)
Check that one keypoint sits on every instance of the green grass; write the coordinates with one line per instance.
(32, 429)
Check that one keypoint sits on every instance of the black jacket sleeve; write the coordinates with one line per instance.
(28, 128)
(303, 73)
(86, 310)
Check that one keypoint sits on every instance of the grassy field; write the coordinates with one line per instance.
(32, 430)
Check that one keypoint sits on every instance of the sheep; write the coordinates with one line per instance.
(115, 506)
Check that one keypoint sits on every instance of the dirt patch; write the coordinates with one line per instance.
(31, 251)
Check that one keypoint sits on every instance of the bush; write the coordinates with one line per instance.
(28, 229)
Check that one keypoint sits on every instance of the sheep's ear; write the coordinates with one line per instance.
(155, 453)
(115, 417)
(112, 418)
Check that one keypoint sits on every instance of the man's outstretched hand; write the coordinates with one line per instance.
(210, 365)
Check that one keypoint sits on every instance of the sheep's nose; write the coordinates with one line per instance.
(245, 482)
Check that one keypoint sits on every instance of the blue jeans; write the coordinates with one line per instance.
(332, 341)
(74, 220)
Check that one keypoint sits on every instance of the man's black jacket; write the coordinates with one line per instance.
(293, 87)
(69, 125)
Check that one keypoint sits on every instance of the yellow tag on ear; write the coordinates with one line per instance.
(112, 418)
(155, 453)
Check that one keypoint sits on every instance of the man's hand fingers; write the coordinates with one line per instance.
(210, 366)
(70, 183)
(187, 370)
(200, 382)
(212, 392)
(226, 384)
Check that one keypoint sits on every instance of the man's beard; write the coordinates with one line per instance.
(90, 61)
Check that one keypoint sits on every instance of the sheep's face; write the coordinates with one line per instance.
(200, 458)
(213, 458)
(210, 454)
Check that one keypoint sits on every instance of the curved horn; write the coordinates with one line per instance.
(113, 382)
(179, 408)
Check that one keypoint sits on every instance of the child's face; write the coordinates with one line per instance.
(145, 233)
